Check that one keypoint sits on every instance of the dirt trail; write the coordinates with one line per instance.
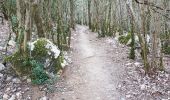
(95, 71)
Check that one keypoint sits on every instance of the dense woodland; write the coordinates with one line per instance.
(142, 25)
(146, 19)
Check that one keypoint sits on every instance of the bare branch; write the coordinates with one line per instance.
(150, 4)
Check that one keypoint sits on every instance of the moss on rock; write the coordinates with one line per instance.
(46, 55)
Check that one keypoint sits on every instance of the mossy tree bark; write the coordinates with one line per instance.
(19, 17)
(72, 24)
(27, 23)
(144, 51)
(157, 59)
(38, 20)
(132, 51)
(109, 27)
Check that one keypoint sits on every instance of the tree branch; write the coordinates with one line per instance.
(161, 14)
(150, 4)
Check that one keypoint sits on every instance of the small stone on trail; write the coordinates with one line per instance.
(28, 97)
(137, 64)
(19, 95)
(128, 96)
(27, 89)
(16, 80)
(14, 90)
(12, 97)
(2, 67)
(5, 97)
(122, 99)
(28, 80)
(128, 64)
(12, 43)
(8, 89)
(143, 87)
(44, 98)
(9, 78)
(1, 75)
(24, 77)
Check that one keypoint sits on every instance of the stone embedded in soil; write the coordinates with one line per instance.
(14, 90)
(143, 87)
(13, 97)
(16, 80)
(5, 97)
(8, 89)
(27, 89)
(19, 88)
(44, 98)
(128, 64)
(9, 78)
(2, 48)
(19, 95)
(137, 64)
(28, 97)
(28, 80)
(122, 98)
(128, 96)
(1, 75)
(2, 67)
(12, 43)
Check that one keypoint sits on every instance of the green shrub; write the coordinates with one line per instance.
(124, 39)
(38, 75)
(166, 50)
(40, 50)
(165, 42)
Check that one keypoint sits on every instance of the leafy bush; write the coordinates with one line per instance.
(165, 42)
(125, 38)
(39, 50)
(166, 49)
(38, 75)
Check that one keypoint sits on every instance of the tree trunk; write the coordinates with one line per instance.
(27, 23)
(157, 59)
(19, 18)
(89, 13)
(38, 20)
(72, 14)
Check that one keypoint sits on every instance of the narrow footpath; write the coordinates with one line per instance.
(96, 68)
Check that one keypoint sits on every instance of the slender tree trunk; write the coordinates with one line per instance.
(38, 20)
(19, 18)
(97, 26)
(157, 59)
(141, 41)
(72, 14)
(27, 20)
(144, 43)
(132, 50)
(89, 13)
(120, 15)
(109, 19)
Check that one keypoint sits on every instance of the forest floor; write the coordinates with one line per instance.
(99, 70)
